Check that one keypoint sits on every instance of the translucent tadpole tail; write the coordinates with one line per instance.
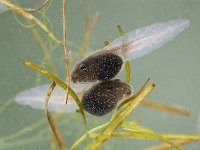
(142, 41)
(35, 97)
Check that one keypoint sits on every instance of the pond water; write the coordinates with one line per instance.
(173, 68)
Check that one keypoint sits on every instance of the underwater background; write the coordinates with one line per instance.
(174, 68)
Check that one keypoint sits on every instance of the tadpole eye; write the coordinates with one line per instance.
(82, 67)
(109, 87)
(129, 92)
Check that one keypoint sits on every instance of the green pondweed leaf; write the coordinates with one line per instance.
(128, 71)
(121, 32)
(106, 43)
(133, 127)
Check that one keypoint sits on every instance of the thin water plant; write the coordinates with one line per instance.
(51, 121)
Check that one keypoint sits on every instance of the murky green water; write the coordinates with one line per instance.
(174, 68)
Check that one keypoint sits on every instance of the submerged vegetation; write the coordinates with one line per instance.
(117, 127)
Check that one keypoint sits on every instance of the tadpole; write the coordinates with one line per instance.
(106, 63)
(102, 97)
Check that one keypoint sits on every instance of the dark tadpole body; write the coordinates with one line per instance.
(103, 97)
(99, 66)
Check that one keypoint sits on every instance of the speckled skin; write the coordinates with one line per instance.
(103, 97)
(99, 66)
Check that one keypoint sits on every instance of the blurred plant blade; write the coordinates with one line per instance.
(6, 104)
(90, 24)
(43, 47)
(165, 107)
(167, 146)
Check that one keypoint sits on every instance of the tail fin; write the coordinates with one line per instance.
(142, 41)
(35, 97)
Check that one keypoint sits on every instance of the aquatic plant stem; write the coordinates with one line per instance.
(86, 135)
(91, 22)
(30, 10)
(65, 49)
(43, 47)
